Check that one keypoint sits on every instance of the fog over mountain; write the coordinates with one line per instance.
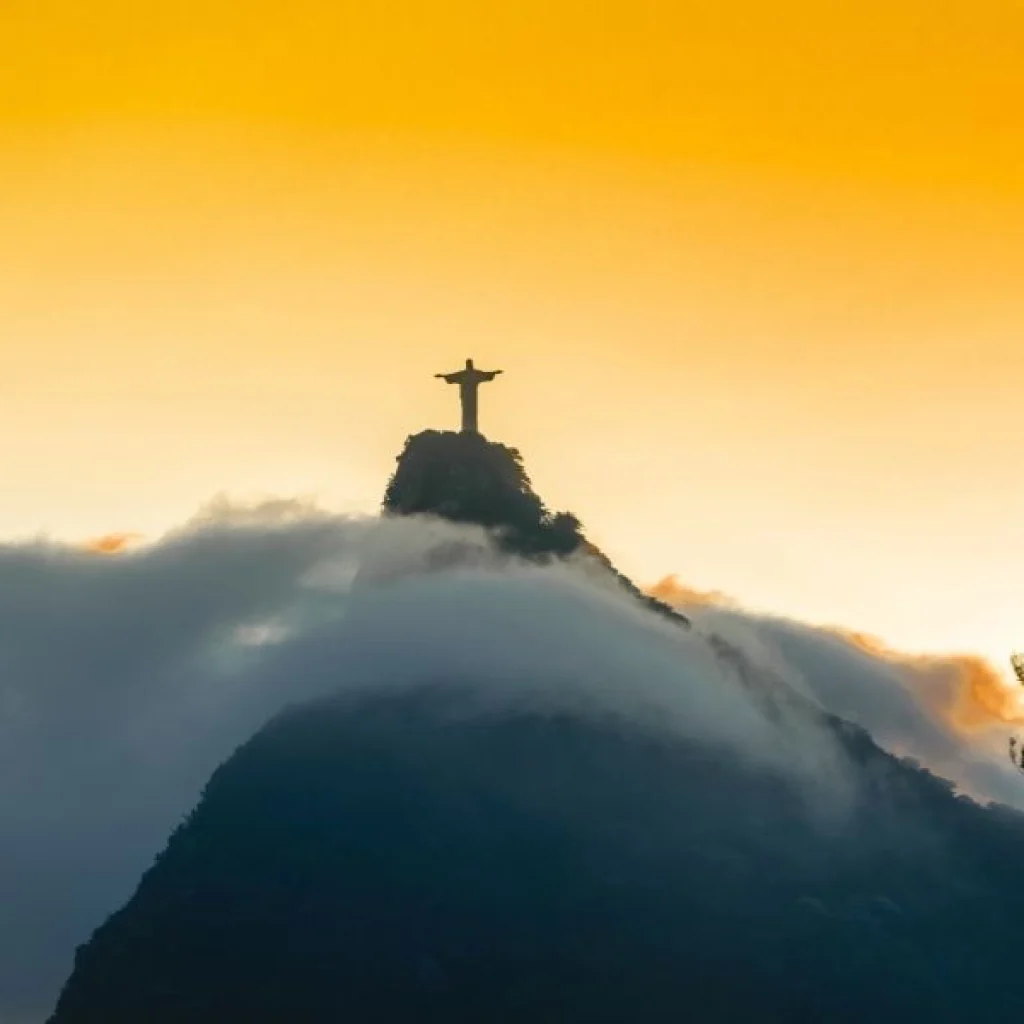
(127, 678)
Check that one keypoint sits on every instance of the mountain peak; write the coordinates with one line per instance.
(466, 478)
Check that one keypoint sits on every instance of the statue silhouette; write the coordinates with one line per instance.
(469, 381)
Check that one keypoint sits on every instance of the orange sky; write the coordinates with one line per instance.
(753, 270)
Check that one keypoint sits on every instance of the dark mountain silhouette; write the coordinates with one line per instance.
(400, 859)
(415, 857)
(465, 478)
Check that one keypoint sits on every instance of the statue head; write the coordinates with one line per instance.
(469, 364)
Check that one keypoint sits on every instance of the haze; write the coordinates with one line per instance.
(752, 270)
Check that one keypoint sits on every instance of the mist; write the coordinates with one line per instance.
(127, 674)
(953, 713)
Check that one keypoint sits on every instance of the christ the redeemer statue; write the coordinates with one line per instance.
(469, 381)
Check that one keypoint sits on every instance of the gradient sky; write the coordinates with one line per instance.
(755, 273)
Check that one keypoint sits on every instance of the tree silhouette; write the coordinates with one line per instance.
(466, 478)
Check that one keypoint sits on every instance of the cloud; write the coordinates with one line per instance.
(124, 681)
(953, 712)
(112, 543)
(672, 590)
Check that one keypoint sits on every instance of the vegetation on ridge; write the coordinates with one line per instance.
(466, 478)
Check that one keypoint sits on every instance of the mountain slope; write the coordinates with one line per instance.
(407, 859)
(435, 852)
(465, 478)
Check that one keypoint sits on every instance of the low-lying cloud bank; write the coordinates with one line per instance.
(953, 713)
(128, 673)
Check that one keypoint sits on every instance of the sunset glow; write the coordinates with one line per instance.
(753, 272)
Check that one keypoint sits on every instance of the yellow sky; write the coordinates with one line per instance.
(754, 272)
